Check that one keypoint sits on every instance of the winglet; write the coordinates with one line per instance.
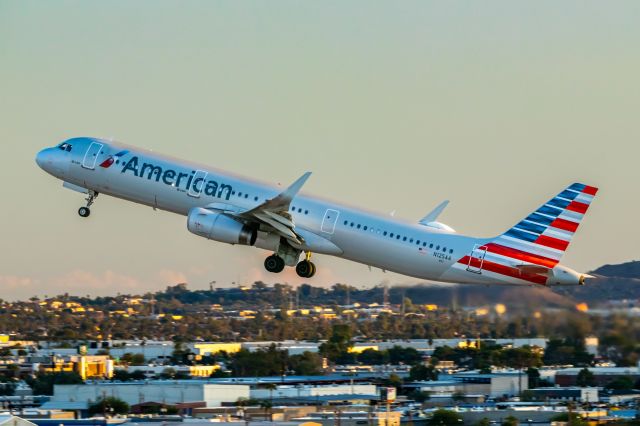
(282, 201)
(294, 188)
(433, 214)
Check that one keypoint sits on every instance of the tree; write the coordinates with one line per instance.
(566, 351)
(108, 406)
(402, 355)
(510, 421)
(43, 383)
(483, 422)
(120, 375)
(372, 357)
(168, 373)
(306, 364)
(445, 417)
(423, 372)
(620, 383)
(267, 405)
(585, 378)
(339, 342)
(458, 396)
(572, 419)
(393, 380)
(420, 396)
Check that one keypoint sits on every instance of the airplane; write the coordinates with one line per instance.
(227, 208)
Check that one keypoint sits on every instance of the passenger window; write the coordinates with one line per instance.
(352, 224)
(391, 235)
(246, 195)
(418, 242)
(424, 244)
(444, 249)
(411, 240)
(404, 238)
(239, 194)
(431, 245)
(384, 233)
(346, 222)
(358, 226)
(437, 247)
(306, 212)
(450, 251)
(397, 237)
(365, 227)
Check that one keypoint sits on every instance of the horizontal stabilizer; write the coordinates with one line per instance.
(532, 269)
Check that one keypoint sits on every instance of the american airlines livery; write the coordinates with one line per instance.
(234, 210)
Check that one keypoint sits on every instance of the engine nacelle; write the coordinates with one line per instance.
(560, 275)
(220, 227)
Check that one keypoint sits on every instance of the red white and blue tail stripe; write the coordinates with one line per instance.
(534, 246)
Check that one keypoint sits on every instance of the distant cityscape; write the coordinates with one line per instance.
(311, 355)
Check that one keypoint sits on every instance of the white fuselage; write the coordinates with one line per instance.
(174, 185)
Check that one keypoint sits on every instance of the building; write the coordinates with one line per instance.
(151, 371)
(601, 375)
(494, 385)
(14, 421)
(303, 391)
(557, 394)
(87, 366)
(160, 391)
(353, 418)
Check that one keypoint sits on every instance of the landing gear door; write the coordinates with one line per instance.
(197, 184)
(329, 221)
(91, 156)
(476, 259)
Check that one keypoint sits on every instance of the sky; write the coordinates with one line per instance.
(394, 106)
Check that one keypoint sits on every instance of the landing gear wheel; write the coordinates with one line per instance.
(84, 211)
(274, 264)
(91, 197)
(306, 269)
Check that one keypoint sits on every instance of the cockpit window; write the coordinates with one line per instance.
(65, 146)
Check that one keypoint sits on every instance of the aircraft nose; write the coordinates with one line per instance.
(43, 157)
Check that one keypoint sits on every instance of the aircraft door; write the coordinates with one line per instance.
(91, 156)
(198, 183)
(476, 259)
(329, 221)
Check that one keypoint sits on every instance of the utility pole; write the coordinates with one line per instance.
(385, 301)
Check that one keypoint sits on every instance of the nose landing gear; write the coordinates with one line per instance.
(86, 211)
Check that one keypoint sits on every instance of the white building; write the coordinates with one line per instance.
(168, 392)
(287, 391)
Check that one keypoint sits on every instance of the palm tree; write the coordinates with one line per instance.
(271, 387)
(267, 405)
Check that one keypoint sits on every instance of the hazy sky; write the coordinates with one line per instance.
(393, 106)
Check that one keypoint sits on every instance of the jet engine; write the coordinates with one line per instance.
(560, 275)
(220, 227)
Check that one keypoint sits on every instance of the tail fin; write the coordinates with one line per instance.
(546, 233)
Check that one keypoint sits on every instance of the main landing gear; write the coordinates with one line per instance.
(305, 268)
(86, 211)
(274, 263)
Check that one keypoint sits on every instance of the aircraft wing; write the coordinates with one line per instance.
(273, 214)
